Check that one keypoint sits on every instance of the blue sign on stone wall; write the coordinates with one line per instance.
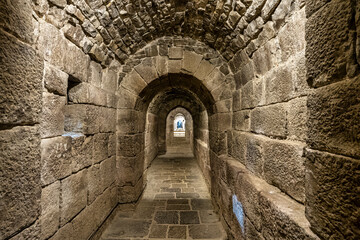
(238, 211)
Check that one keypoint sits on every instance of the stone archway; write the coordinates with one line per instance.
(180, 69)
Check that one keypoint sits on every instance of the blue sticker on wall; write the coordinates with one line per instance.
(238, 211)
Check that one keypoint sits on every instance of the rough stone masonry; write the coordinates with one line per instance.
(272, 88)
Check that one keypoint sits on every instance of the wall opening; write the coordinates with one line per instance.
(179, 125)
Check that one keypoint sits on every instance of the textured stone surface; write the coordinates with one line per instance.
(81, 152)
(330, 183)
(50, 209)
(254, 46)
(17, 17)
(284, 167)
(297, 119)
(32, 232)
(82, 118)
(19, 179)
(334, 118)
(55, 159)
(20, 99)
(55, 80)
(328, 43)
(53, 45)
(270, 120)
(52, 116)
(73, 195)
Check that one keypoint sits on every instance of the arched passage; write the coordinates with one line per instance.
(155, 84)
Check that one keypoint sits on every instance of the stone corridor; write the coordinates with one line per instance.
(95, 95)
(176, 204)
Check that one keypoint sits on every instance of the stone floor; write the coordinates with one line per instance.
(176, 204)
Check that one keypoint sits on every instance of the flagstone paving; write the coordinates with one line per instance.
(176, 204)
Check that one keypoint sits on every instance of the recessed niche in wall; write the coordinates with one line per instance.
(74, 113)
(179, 125)
(72, 84)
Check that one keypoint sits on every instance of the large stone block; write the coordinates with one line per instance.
(254, 159)
(161, 64)
(241, 120)
(73, 196)
(217, 141)
(74, 33)
(328, 43)
(174, 66)
(133, 82)
(128, 121)
(313, 5)
(109, 80)
(191, 62)
(97, 212)
(204, 69)
(95, 183)
(332, 196)
(263, 60)
(81, 152)
(79, 93)
(297, 119)
(334, 118)
(147, 70)
(107, 118)
(214, 79)
(292, 35)
(32, 232)
(100, 147)
(17, 17)
(244, 75)
(284, 167)
(95, 74)
(129, 169)
(97, 96)
(52, 116)
(252, 94)
(279, 85)
(270, 120)
(175, 53)
(126, 98)
(271, 212)
(220, 122)
(60, 52)
(81, 118)
(20, 190)
(282, 216)
(55, 159)
(108, 171)
(50, 209)
(130, 145)
(239, 146)
(248, 194)
(55, 80)
(128, 194)
(21, 79)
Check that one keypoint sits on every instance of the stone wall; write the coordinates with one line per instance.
(78, 138)
(59, 117)
(268, 135)
(272, 87)
(332, 155)
(20, 107)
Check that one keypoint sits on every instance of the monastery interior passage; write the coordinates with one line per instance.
(179, 119)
